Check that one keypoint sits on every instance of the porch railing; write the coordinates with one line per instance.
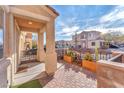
(28, 55)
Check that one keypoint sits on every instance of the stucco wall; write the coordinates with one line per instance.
(97, 43)
(110, 74)
(3, 73)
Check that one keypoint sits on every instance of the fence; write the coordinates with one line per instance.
(28, 55)
(61, 52)
(102, 54)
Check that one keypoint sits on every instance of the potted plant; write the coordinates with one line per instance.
(89, 63)
(69, 56)
(77, 59)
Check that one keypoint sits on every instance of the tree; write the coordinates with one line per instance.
(96, 54)
(115, 36)
(108, 38)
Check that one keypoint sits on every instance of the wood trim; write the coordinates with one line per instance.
(28, 14)
(52, 9)
(29, 30)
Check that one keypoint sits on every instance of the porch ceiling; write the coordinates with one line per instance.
(26, 24)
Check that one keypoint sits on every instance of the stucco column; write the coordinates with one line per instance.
(19, 49)
(51, 57)
(12, 44)
(40, 51)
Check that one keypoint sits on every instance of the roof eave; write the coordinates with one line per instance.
(53, 10)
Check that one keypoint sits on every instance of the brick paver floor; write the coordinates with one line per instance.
(70, 76)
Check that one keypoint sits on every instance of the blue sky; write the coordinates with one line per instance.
(78, 18)
(1, 36)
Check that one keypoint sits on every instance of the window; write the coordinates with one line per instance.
(93, 43)
(79, 46)
(101, 43)
(89, 34)
(67, 45)
(1, 32)
(82, 36)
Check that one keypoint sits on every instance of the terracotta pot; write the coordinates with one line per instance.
(79, 63)
(68, 59)
(89, 65)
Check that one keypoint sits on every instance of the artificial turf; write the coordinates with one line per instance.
(30, 84)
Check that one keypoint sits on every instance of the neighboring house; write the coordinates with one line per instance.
(63, 44)
(15, 19)
(88, 39)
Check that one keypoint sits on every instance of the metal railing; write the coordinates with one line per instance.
(28, 55)
(102, 54)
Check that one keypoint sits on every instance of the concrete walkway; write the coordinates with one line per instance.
(70, 76)
(30, 71)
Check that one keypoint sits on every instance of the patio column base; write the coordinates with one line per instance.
(51, 63)
(42, 56)
(40, 52)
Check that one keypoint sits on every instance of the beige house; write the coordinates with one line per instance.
(14, 20)
(88, 39)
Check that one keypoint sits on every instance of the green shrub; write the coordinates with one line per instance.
(34, 46)
(70, 53)
(97, 54)
(88, 57)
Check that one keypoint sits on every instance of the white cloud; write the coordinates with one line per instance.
(109, 21)
(67, 31)
(105, 30)
(60, 23)
(116, 14)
